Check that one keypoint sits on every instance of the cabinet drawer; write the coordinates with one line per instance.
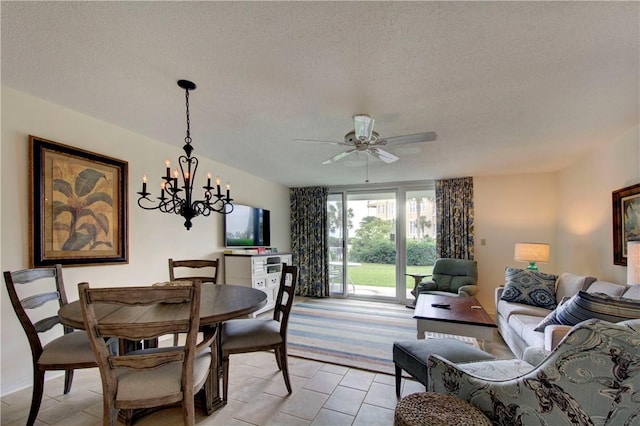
(271, 292)
(273, 280)
(258, 265)
(260, 284)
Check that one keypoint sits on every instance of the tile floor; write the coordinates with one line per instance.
(323, 394)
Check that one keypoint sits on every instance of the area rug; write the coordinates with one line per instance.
(352, 333)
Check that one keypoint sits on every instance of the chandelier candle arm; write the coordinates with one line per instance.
(186, 207)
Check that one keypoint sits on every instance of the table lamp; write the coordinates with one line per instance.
(532, 253)
(633, 262)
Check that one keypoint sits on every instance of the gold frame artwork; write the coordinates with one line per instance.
(626, 221)
(78, 206)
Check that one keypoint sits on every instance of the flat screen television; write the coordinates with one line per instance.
(247, 226)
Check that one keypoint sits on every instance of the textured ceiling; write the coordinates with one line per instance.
(509, 87)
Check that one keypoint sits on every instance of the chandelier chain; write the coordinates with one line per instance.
(187, 139)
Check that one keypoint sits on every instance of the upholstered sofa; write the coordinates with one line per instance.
(590, 378)
(517, 321)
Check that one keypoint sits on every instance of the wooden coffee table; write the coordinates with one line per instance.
(464, 317)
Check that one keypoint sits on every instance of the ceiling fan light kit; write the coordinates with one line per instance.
(363, 124)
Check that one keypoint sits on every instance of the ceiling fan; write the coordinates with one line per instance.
(364, 139)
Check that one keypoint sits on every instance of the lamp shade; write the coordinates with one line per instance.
(633, 262)
(532, 252)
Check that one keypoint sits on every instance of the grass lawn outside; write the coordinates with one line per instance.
(381, 275)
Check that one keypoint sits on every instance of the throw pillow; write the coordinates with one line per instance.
(551, 318)
(530, 288)
(584, 306)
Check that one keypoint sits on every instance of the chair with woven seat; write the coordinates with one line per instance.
(452, 277)
(261, 334)
(68, 352)
(149, 377)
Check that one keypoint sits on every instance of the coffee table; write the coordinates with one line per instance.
(464, 317)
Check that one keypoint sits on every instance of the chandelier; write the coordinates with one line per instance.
(179, 199)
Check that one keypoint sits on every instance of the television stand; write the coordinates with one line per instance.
(259, 271)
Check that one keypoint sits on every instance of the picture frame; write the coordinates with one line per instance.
(78, 211)
(626, 221)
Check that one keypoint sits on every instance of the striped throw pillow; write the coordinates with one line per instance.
(551, 318)
(585, 305)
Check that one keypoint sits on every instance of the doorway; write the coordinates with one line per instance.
(376, 237)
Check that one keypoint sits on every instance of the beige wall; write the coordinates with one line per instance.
(570, 209)
(511, 209)
(585, 230)
(153, 237)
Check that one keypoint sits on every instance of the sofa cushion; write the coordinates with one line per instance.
(523, 326)
(612, 289)
(569, 284)
(586, 305)
(506, 309)
(530, 288)
(633, 292)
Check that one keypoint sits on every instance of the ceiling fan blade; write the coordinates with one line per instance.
(320, 141)
(339, 156)
(407, 139)
(382, 155)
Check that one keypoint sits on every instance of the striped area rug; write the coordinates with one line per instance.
(353, 333)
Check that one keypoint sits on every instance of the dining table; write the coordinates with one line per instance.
(218, 303)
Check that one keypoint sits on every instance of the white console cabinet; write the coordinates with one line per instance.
(260, 271)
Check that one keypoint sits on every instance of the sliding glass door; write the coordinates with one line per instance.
(376, 237)
(420, 243)
(336, 218)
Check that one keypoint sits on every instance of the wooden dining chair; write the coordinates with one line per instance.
(149, 377)
(209, 272)
(261, 334)
(36, 302)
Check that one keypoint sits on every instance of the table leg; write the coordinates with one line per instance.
(417, 279)
(212, 400)
(421, 329)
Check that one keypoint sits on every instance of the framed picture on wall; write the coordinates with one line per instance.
(626, 221)
(78, 206)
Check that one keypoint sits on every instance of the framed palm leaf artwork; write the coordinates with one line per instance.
(78, 211)
(626, 221)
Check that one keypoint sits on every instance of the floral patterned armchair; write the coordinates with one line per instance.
(591, 378)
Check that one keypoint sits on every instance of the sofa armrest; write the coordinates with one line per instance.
(553, 334)
(468, 290)
(499, 291)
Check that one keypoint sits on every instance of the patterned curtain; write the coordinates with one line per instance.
(454, 205)
(309, 240)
